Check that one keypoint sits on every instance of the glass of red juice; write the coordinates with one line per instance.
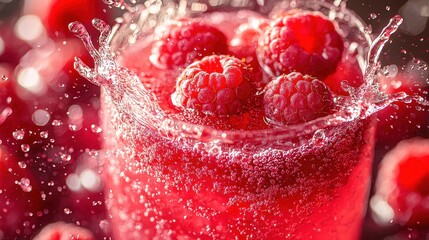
(170, 175)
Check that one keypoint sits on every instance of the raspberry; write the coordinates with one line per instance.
(62, 230)
(403, 182)
(181, 42)
(305, 42)
(243, 46)
(403, 120)
(215, 85)
(295, 98)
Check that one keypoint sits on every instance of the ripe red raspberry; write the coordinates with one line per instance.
(305, 42)
(181, 42)
(403, 183)
(243, 46)
(295, 98)
(62, 230)
(215, 85)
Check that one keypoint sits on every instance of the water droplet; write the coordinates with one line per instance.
(73, 127)
(67, 211)
(390, 70)
(19, 134)
(319, 138)
(4, 78)
(66, 157)
(8, 100)
(93, 153)
(5, 113)
(25, 184)
(368, 29)
(403, 51)
(373, 15)
(40, 117)
(44, 134)
(25, 147)
(57, 123)
(22, 164)
(388, 8)
(96, 129)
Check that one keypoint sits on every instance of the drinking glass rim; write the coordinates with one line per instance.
(211, 134)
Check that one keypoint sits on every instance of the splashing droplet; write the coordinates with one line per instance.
(22, 164)
(96, 129)
(368, 29)
(25, 148)
(44, 134)
(4, 114)
(19, 134)
(319, 138)
(57, 123)
(67, 211)
(66, 157)
(25, 184)
(373, 16)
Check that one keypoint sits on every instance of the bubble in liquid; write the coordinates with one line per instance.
(4, 78)
(373, 16)
(19, 134)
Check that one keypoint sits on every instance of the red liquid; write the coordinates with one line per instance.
(174, 187)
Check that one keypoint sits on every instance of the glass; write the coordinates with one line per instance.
(168, 179)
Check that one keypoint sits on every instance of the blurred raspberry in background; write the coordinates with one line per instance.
(49, 126)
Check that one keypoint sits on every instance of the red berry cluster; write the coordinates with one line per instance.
(280, 59)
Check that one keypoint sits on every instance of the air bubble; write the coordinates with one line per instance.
(4, 78)
(373, 16)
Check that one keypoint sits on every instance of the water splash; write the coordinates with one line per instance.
(130, 96)
(122, 85)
